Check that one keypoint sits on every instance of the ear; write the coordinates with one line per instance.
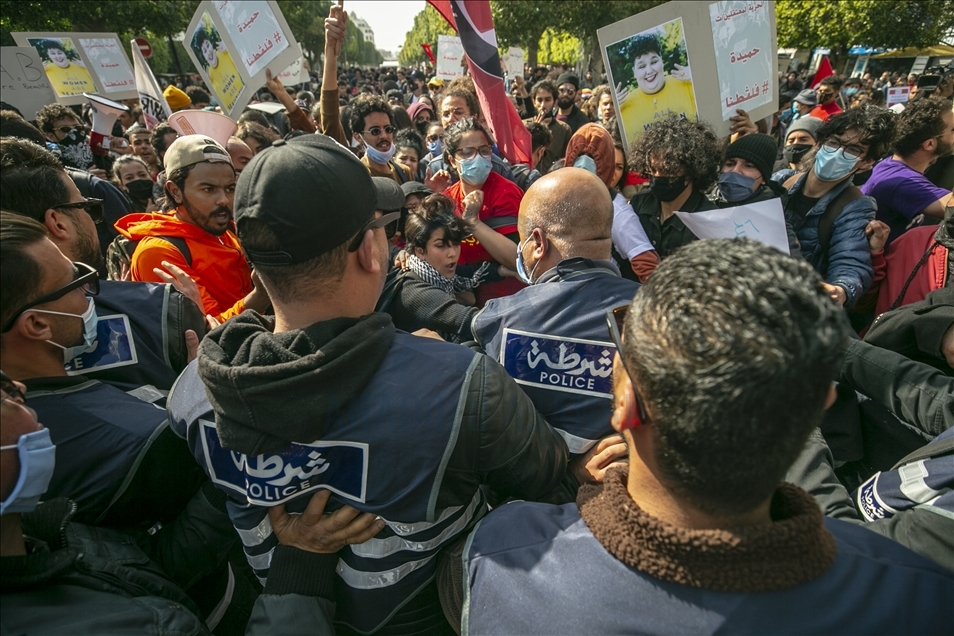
(831, 397)
(625, 411)
(34, 326)
(865, 164)
(173, 191)
(58, 225)
(540, 245)
(419, 252)
(365, 254)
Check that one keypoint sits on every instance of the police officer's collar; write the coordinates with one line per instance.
(571, 268)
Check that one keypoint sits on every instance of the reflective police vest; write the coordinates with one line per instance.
(552, 338)
(139, 338)
(533, 568)
(384, 453)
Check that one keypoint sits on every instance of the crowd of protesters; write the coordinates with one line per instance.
(352, 371)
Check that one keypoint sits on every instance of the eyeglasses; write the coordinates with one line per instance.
(470, 152)
(615, 322)
(93, 207)
(13, 391)
(389, 222)
(375, 131)
(65, 130)
(850, 152)
(84, 277)
(566, 91)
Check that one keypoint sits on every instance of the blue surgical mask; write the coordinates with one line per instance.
(37, 459)
(832, 165)
(586, 162)
(850, 91)
(379, 157)
(436, 148)
(475, 170)
(90, 323)
(521, 268)
(735, 187)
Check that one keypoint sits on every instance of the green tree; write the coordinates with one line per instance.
(428, 24)
(875, 23)
(357, 50)
(306, 19)
(559, 47)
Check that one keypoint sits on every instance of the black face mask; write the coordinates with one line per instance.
(794, 153)
(140, 189)
(667, 188)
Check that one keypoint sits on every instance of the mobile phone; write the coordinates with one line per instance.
(928, 82)
(553, 113)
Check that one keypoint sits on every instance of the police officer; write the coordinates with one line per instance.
(328, 395)
(551, 336)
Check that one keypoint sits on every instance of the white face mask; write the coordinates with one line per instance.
(90, 323)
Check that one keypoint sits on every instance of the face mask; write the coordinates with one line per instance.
(436, 148)
(75, 149)
(850, 91)
(521, 268)
(735, 187)
(37, 460)
(586, 162)
(795, 152)
(832, 165)
(379, 157)
(140, 189)
(90, 322)
(667, 188)
(475, 170)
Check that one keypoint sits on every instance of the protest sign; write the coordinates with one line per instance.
(232, 43)
(450, 55)
(897, 95)
(24, 84)
(155, 108)
(295, 73)
(109, 65)
(677, 60)
(514, 61)
(763, 221)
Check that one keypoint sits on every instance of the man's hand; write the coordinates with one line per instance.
(336, 25)
(543, 117)
(258, 298)
(473, 203)
(837, 293)
(315, 531)
(400, 260)
(877, 233)
(681, 72)
(273, 84)
(427, 333)
(176, 277)
(192, 345)
(438, 182)
(591, 467)
(742, 125)
(621, 93)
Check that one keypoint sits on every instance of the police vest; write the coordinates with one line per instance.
(552, 338)
(537, 569)
(139, 338)
(385, 453)
(101, 435)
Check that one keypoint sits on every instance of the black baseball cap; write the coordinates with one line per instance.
(415, 187)
(311, 191)
(389, 194)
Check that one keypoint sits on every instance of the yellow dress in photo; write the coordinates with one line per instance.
(225, 80)
(639, 111)
(72, 80)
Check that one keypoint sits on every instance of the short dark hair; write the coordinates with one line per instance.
(12, 124)
(288, 282)
(252, 130)
(363, 106)
(835, 82)
(402, 120)
(252, 114)
(644, 43)
(459, 91)
(919, 121)
(20, 274)
(158, 138)
(735, 347)
(197, 95)
(540, 135)
(31, 179)
(544, 85)
(178, 177)
(456, 131)
(878, 126)
(122, 161)
(408, 138)
(676, 143)
(50, 113)
(436, 212)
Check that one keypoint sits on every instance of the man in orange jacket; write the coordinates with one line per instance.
(195, 231)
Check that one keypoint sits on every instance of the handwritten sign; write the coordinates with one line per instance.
(233, 43)
(897, 95)
(22, 80)
(450, 54)
(108, 62)
(698, 60)
(514, 62)
(295, 73)
(763, 221)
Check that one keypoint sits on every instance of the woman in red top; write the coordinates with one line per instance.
(486, 200)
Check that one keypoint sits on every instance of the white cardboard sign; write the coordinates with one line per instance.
(24, 84)
(763, 221)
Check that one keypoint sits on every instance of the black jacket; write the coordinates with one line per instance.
(669, 236)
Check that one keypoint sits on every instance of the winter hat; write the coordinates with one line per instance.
(808, 124)
(176, 98)
(807, 97)
(758, 149)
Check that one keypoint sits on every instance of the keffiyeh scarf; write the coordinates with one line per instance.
(426, 272)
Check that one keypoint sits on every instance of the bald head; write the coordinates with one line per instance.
(574, 209)
(240, 153)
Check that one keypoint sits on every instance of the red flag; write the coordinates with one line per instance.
(824, 70)
(430, 53)
(475, 26)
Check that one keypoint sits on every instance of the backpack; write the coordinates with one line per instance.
(120, 252)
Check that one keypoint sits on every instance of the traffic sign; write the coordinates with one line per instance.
(144, 47)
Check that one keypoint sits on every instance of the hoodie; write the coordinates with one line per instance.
(218, 264)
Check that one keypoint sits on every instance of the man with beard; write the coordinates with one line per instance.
(196, 234)
(925, 132)
(567, 86)
(372, 126)
(827, 95)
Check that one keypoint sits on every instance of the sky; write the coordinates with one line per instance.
(390, 20)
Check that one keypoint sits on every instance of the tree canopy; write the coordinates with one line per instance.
(428, 24)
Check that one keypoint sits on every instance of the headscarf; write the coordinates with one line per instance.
(595, 141)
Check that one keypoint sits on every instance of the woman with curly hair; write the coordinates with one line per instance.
(682, 160)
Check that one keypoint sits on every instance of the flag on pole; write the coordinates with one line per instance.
(475, 26)
(824, 70)
(154, 106)
(429, 52)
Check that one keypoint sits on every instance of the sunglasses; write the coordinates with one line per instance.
(566, 91)
(375, 131)
(13, 391)
(93, 207)
(66, 129)
(615, 323)
(389, 222)
(84, 277)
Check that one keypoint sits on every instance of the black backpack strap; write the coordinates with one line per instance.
(181, 245)
(827, 221)
(926, 452)
(500, 221)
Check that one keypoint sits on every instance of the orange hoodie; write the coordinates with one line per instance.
(218, 265)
